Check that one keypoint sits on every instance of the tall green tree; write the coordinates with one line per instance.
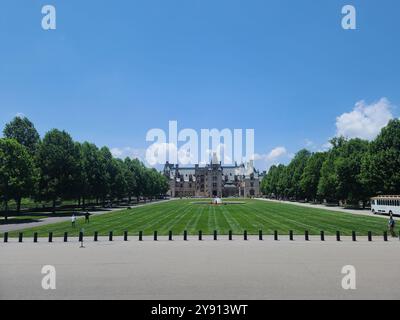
(294, 173)
(59, 160)
(131, 178)
(381, 165)
(22, 130)
(311, 175)
(118, 183)
(17, 172)
(347, 166)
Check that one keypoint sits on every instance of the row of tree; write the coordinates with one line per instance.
(350, 172)
(57, 168)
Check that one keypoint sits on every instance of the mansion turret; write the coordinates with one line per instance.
(213, 180)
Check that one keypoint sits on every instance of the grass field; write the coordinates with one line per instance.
(252, 215)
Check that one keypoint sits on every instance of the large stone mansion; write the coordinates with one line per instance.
(213, 180)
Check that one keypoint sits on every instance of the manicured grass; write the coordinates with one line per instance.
(253, 215)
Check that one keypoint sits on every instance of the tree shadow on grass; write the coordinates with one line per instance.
(17, 221)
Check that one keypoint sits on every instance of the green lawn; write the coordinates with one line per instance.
(253, 215)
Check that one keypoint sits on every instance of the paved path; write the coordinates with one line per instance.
(207, 270)
(51, 220)
(339, 209)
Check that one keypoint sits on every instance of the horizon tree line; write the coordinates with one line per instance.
(350, 172)
(57, 168)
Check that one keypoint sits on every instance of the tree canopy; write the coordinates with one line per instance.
(57, 168)
(351, 171)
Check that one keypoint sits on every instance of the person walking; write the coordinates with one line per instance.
(73, 220)
(87, 216)
(391, 225)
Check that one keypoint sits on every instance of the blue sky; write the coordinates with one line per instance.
(115, 69)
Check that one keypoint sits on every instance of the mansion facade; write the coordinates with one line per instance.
(213, 180)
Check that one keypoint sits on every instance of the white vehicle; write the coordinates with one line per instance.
(386, 205)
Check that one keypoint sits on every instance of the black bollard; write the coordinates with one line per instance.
(125, 235)
(230, 235)
(306, 236)
(260, 235)
(245, 235)
(140, 235)
(200, 236)
(35, 236)
(276, 235)
(322, 236)
(337, 235)
(215, 235)
(110, 236)
(96, 236)
(369, 236)
(21, 236)
(291, 235)
(170, 236)
(5, 237)
(65, 236)
(385, 236)
(353, 236)
(185, 235)
(80, 236)
(155, 235)
(50, 236)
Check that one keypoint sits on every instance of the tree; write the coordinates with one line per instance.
(380, 167)
(341, 172)
(311, 175)
(23, 131)
(59, 164)
(294, 173)
(93, 174)
(118, 183)
(17, 172)
(347, 166)
(104, 189)
(131, 178)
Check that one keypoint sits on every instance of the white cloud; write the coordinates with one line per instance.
(276, 153)
(275, 156)
(129, 152)
(365, 121)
